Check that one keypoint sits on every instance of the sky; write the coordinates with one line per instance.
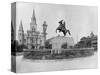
(80, 20)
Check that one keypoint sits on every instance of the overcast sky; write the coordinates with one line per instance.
(80, 20)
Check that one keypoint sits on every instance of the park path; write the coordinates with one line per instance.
(26, 65)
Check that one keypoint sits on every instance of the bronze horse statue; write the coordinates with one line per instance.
(62, 28)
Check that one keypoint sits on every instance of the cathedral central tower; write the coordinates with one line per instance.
(33, 25)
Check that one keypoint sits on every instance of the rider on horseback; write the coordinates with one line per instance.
(62, 28)
(62, 24)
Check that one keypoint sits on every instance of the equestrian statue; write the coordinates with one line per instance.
(62, 28)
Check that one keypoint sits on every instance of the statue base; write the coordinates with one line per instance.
(58, 41)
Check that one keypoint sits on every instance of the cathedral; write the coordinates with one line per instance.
(32, 38)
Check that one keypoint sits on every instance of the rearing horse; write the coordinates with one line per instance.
(62, 28)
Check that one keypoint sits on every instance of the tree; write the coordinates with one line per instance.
(84, 42)
(14, 46)
(41, 47)
(64, 46)
(83, 38)
(20, 48)
(88, 43)
(48, 45)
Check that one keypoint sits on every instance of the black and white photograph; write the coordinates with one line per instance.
(53, 37)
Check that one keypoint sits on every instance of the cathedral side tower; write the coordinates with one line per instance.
(44, 32)
(21, 34)
(33, 25)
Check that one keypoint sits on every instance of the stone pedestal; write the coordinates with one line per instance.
(58, 41)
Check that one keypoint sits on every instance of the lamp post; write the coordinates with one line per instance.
(44, 31)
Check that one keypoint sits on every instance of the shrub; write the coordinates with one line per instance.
(48, 45)
(64, 46)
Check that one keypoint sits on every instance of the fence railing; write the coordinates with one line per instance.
(58, 49)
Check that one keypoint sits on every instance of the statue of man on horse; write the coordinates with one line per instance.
(62, 28)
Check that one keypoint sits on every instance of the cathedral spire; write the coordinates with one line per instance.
(33, 15)
(33, 25)
(21, 26)
(21, 34)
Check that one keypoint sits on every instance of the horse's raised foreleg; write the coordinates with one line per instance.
(69, 32)
(64, 33)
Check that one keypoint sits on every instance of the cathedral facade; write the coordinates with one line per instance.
(33, 38)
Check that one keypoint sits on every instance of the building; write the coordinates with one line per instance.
(58, 41)
(89, 41)
(93, 40)
(33, 38)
